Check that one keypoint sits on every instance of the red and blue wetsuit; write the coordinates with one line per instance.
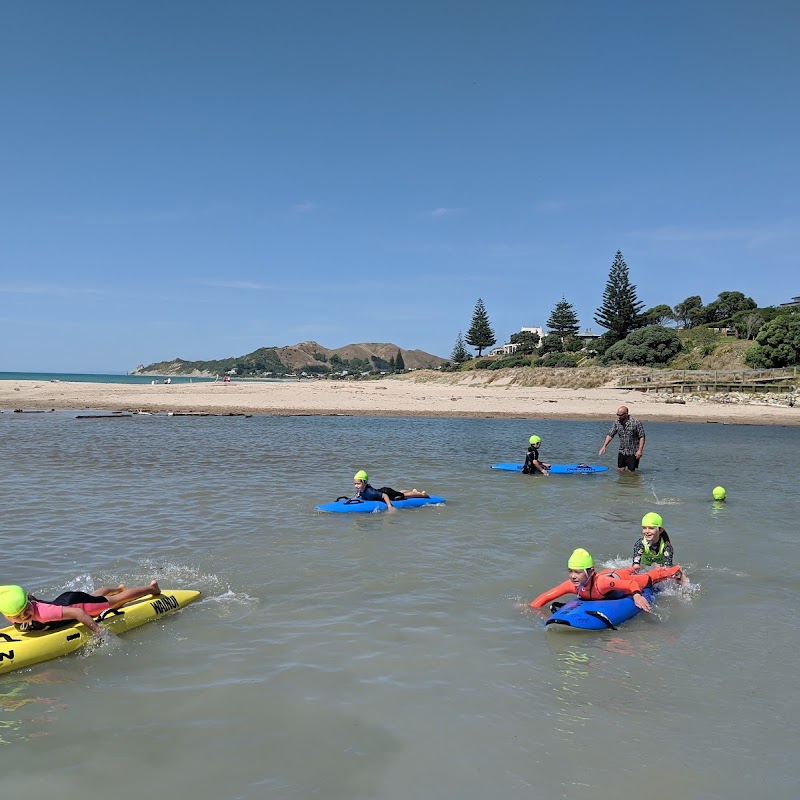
(609, 584)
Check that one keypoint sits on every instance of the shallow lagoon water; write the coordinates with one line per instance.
(393, 655)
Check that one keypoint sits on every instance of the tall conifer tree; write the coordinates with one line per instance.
(480, 333)
(563, 320)
(621, 311)
(459, 354)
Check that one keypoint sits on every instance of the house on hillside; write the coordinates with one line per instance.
(511, 347)
(795, 302)
(588, 337)
(540, 331)
(504, 350)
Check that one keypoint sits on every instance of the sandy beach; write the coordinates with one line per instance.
(390, 397)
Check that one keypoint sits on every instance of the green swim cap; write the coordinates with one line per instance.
(652, 520)
(580, 559)
(12, 600)
(361, 476)
(535, 439)
(718, 493)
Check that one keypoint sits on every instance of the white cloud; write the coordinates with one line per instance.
(440, 213)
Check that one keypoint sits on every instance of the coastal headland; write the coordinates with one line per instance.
(418, 395)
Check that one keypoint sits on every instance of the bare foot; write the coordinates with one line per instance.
(155, 589)
(424, 493)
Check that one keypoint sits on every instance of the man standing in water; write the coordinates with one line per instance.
(631, 440)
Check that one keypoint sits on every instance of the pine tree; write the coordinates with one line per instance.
(399, 363)
(459, 354)
(621, 311)
(563, 320)
(480, 333)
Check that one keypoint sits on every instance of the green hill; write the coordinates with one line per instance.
(306, 357)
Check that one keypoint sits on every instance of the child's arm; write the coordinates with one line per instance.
(567, 587)
(387, 500)
(79, 615)
(638, 552)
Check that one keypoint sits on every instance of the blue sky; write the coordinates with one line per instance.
(200, 179)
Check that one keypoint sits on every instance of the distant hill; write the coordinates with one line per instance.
(309, 357)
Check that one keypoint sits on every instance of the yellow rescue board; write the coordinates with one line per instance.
(19, 650)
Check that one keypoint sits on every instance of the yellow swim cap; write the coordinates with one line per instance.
(12, 600)
(361, 476)
(718, 493)
(580, 559)
(535, 440)
(652, 520)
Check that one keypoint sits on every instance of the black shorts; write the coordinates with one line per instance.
(393, 494)
(629, 462)
(75, 598)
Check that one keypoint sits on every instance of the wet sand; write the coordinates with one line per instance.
(389, 397)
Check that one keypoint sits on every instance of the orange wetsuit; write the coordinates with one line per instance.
(609, 584)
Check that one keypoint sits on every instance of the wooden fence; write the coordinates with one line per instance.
(695, 380)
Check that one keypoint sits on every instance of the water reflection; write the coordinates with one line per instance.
(21, 706)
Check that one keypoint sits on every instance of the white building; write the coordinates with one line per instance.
(587, 337)
(508, 349)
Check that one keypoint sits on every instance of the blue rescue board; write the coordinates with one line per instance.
(594, 615)
(350, 506)
(556, 469)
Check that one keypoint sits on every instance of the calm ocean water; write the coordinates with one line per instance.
(392, 656)
(93, 378)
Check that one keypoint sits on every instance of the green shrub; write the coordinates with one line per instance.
(777, 344)
(556, 360)
(646, 347)
(511, 361)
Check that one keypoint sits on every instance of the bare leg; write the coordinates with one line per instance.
(416, 493)
(126, 595)
(107, 591)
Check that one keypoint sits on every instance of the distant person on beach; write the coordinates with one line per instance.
(28, 613)
(653, 546)
(631, 440)
(226, 379)
(532, 464)
(607, 584)
(385, 494)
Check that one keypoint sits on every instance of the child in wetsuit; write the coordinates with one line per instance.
(532, 464)
(607, 584)
(654, 546)
(385, 494)
(28, 613)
